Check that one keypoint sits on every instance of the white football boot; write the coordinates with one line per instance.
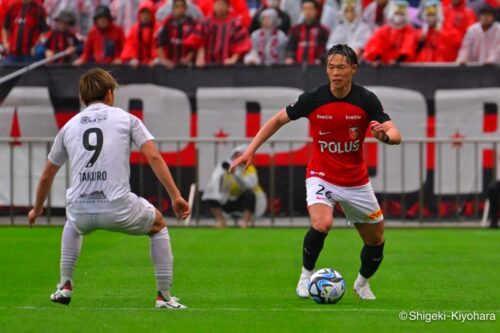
(172, 303)
(63, 294)
(305, 276)
(363, 290)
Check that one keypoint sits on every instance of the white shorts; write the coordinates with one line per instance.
(359, 203)
(135, 216)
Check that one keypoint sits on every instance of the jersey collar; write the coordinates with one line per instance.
(96, 106)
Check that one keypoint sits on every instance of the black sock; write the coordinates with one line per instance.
(371, 258)
(313, 244)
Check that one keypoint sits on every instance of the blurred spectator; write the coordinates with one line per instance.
(221, 38)
(293, 8)
(331, 14)
(165, 10)
(394, 42)
(23, 24)
(140, 44)
(482, 40)
(375, 14)
(351, 30)
(124, 13)
(253, 6)
(458, 16)
(268, 42)
(105, 41)
(435, 43)
(62, 37)
(3, 10)
(237, 193)
(307, 41)
(238, 9)
(282, 21)
(170, 41)
(84, 10)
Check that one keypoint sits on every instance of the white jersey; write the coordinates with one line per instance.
(97, 143)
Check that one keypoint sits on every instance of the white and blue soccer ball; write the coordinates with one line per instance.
(326, 286)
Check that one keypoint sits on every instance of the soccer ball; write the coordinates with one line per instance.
(326, 286)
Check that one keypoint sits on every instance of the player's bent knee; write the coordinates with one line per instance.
(158, 224)
(322, 225)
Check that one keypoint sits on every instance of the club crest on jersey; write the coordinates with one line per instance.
(353, 133)
(101, 116)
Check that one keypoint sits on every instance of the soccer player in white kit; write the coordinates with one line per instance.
(97, 143)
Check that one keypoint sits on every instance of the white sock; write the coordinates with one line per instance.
(161, 255)
(307, 272)
(71, 246)
(361, 280)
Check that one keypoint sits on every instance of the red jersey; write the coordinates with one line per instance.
(338, 127)
(58, 41)
(221, 37)
(103, 46)
(307, 43)
(458, 17)
(24, 24)
(391, 44)
(172, 36)
(140, 42)
(439, 46)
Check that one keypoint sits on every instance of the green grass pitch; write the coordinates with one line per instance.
(244, 281)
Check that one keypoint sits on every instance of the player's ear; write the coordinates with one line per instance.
(354, 68)
(110, 97)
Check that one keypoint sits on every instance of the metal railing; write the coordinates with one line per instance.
(428, 162)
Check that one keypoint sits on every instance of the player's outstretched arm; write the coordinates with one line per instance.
(386, 132)
(269, 128)
(42, 191)
(160, 168)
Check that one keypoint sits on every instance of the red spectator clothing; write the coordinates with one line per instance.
(307, 43)
(459, 17)
(58, 41)
(221, 38)
(172, 37)
(390, 44)
(239, 8)
(140, 42)
(25, 24)
(103, 46)
(439, 46)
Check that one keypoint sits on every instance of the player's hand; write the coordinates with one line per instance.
(78, 62)
(181, 208)
(32, 215)
(167, 63)
(134, 62)
(71, 49)
(245, 159)
(378, 130)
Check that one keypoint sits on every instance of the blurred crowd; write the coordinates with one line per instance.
(254, 32)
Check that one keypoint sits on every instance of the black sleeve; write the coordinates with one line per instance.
(375, 109)
(161, 37)
(291, 47)
(7, 19)
(301, 107)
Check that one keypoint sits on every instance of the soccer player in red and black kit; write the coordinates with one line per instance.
(340, 112)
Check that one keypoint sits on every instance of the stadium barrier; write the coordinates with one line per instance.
(283, 182)
(440, 181)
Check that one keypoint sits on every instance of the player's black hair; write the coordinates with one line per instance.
(316, 5)
(344, 50)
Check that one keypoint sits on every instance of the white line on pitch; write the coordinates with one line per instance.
(329, 309)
